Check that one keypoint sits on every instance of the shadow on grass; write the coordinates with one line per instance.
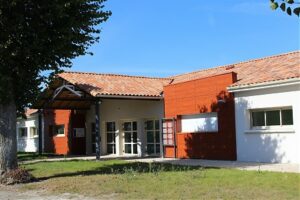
(125, 168)
(26, 156)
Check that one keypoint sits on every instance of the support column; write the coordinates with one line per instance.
(40, 131)
(97, 129)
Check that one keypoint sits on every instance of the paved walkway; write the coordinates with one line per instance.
(275, 167)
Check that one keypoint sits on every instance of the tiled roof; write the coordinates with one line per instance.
(278, 67)
(273, 68)
(119, 85)
(29, 112)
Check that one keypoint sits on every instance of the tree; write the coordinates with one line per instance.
(287, 6)
(38, 36)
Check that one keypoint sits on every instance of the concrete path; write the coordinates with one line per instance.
(275, 167)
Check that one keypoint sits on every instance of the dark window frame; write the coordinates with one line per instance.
(269, 110)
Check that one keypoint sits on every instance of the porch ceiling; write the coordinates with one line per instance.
(64, 99)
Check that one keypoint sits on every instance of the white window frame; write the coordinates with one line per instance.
(58, 135)
(36, 130)
(131, 135)
(193, 119)
(272, 127)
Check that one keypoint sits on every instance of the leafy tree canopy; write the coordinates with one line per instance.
(43, 35)
(288, 6)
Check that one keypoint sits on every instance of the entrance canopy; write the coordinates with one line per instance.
(64, 96)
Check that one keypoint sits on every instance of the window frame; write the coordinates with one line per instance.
(114, 134)
(19, 132)
(54, 129)
(36, 131)
(270, 127)
(154, 130)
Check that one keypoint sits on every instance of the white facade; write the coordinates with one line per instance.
(121, 111)
(28, 142)
(270, 144)
(205, 122)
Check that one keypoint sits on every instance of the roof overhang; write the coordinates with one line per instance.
(264, 85)
(62, 95)
(133, 97)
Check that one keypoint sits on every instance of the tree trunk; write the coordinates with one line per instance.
(8, 143)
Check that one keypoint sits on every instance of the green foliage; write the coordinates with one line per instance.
(287, 6)
(41, 37)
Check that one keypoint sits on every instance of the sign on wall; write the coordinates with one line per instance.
(78, 132)
(205, 122)
(168, 132)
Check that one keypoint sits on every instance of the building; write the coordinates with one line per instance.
(27, 132)
(246, 111)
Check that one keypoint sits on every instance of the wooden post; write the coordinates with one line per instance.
(40, 131)
(162, 139)
(174, 137)
(97, 129)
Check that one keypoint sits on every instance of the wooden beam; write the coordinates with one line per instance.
(69, 99)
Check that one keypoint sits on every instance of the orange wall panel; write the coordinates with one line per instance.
(201, 96)
(57, 144)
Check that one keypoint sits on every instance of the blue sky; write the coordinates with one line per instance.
(167, 37)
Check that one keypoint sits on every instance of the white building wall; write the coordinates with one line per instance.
(27, 144)
(119, 111)
(274, 146)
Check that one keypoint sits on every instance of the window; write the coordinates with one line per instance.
(33, 132)
(57, 130)
(153, 139)
(274, 117)
(205, 122)
(111, 137)
(130, 137)
(22, 132)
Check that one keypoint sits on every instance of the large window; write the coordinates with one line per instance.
(272, 117)
(153, 139)
(111, 137)
(23, 132)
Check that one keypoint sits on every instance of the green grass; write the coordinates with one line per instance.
(125, 180)
(25, 156)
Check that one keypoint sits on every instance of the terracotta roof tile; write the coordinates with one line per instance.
(113, 84)
(29, 112)
(278, 67)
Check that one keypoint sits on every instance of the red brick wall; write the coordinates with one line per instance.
(57, 144)
(200, 96)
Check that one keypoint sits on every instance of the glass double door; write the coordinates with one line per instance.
(130, 137)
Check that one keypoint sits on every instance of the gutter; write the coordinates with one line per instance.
(265, 85)
(130, 97)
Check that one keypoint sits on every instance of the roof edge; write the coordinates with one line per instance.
(237, 63)
(111, 74)
(264, 85)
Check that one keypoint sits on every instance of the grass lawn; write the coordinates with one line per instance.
(25, 156)
(123, 180)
